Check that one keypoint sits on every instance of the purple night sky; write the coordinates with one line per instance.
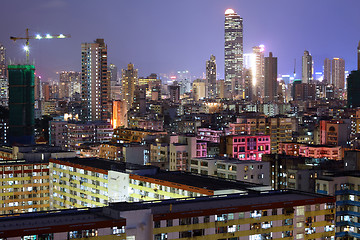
(164, 36)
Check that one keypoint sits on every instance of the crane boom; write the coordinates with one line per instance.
(38, 37)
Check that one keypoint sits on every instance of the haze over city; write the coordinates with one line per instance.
(167, 36)
(159, 120)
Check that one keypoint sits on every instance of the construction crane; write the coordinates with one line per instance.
(38, 37)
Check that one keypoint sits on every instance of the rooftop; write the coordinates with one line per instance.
(203, 181)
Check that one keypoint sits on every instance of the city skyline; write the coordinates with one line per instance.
(162, 40)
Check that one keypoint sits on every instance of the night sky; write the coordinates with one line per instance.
(164, 36)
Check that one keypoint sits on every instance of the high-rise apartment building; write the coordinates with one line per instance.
(3, 72)
(327, 71)
(233, 53)
(307, 67)
(258, 71)
(3, 77)
(129, 82)
(248, 85)
(114, 83)
(211, 77)
(338, 76)
(95, 91)
(270, 78)
(37, 88)
(174, 91)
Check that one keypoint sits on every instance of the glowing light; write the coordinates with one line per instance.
(61, 36)
(38, 36)
(173, 77)
(229, 11)
(48, 36)
(262, 48)
(26, 48)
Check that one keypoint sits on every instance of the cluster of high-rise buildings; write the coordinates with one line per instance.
(108, 154)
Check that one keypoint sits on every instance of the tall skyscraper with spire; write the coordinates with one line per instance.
(129, 81)
(211, 77)
(233, 54)
(95, 91)
(307, 68)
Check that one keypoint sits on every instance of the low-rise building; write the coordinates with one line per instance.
(313, 151)
(247, 170)
(127, 135)
(245, 147)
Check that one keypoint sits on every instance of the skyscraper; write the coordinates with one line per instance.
(327, 71)
(211, 77)
(233, 53)
(353, 89)
(95, 91)
(248, 85)
(3, 77)
(21, 104)
(3, 61)
(338, 76)
(270, 78)
(129, 82)
(307, 67)
(258, 71)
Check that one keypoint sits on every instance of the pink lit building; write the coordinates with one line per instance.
(245, 147)
(201, 149)
(207, 134)
(312, 151)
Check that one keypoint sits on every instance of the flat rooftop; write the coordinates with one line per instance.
(203, 181)
(105, 164)
(260, 200)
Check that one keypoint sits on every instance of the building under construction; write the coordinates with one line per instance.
(21, 104)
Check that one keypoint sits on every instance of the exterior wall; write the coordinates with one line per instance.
(178, 157)
(203, 166)
(68, 135)
(118, 186)
(76, 186)
(247, 171)
(312, 151)
(346, 190)
(295, 222)
(24, 187)
(247, 147)
(278, 128)
(159, 155)
(127, 135)
(201, 149)
(152, 189)
(210, 135)
(335, 132)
